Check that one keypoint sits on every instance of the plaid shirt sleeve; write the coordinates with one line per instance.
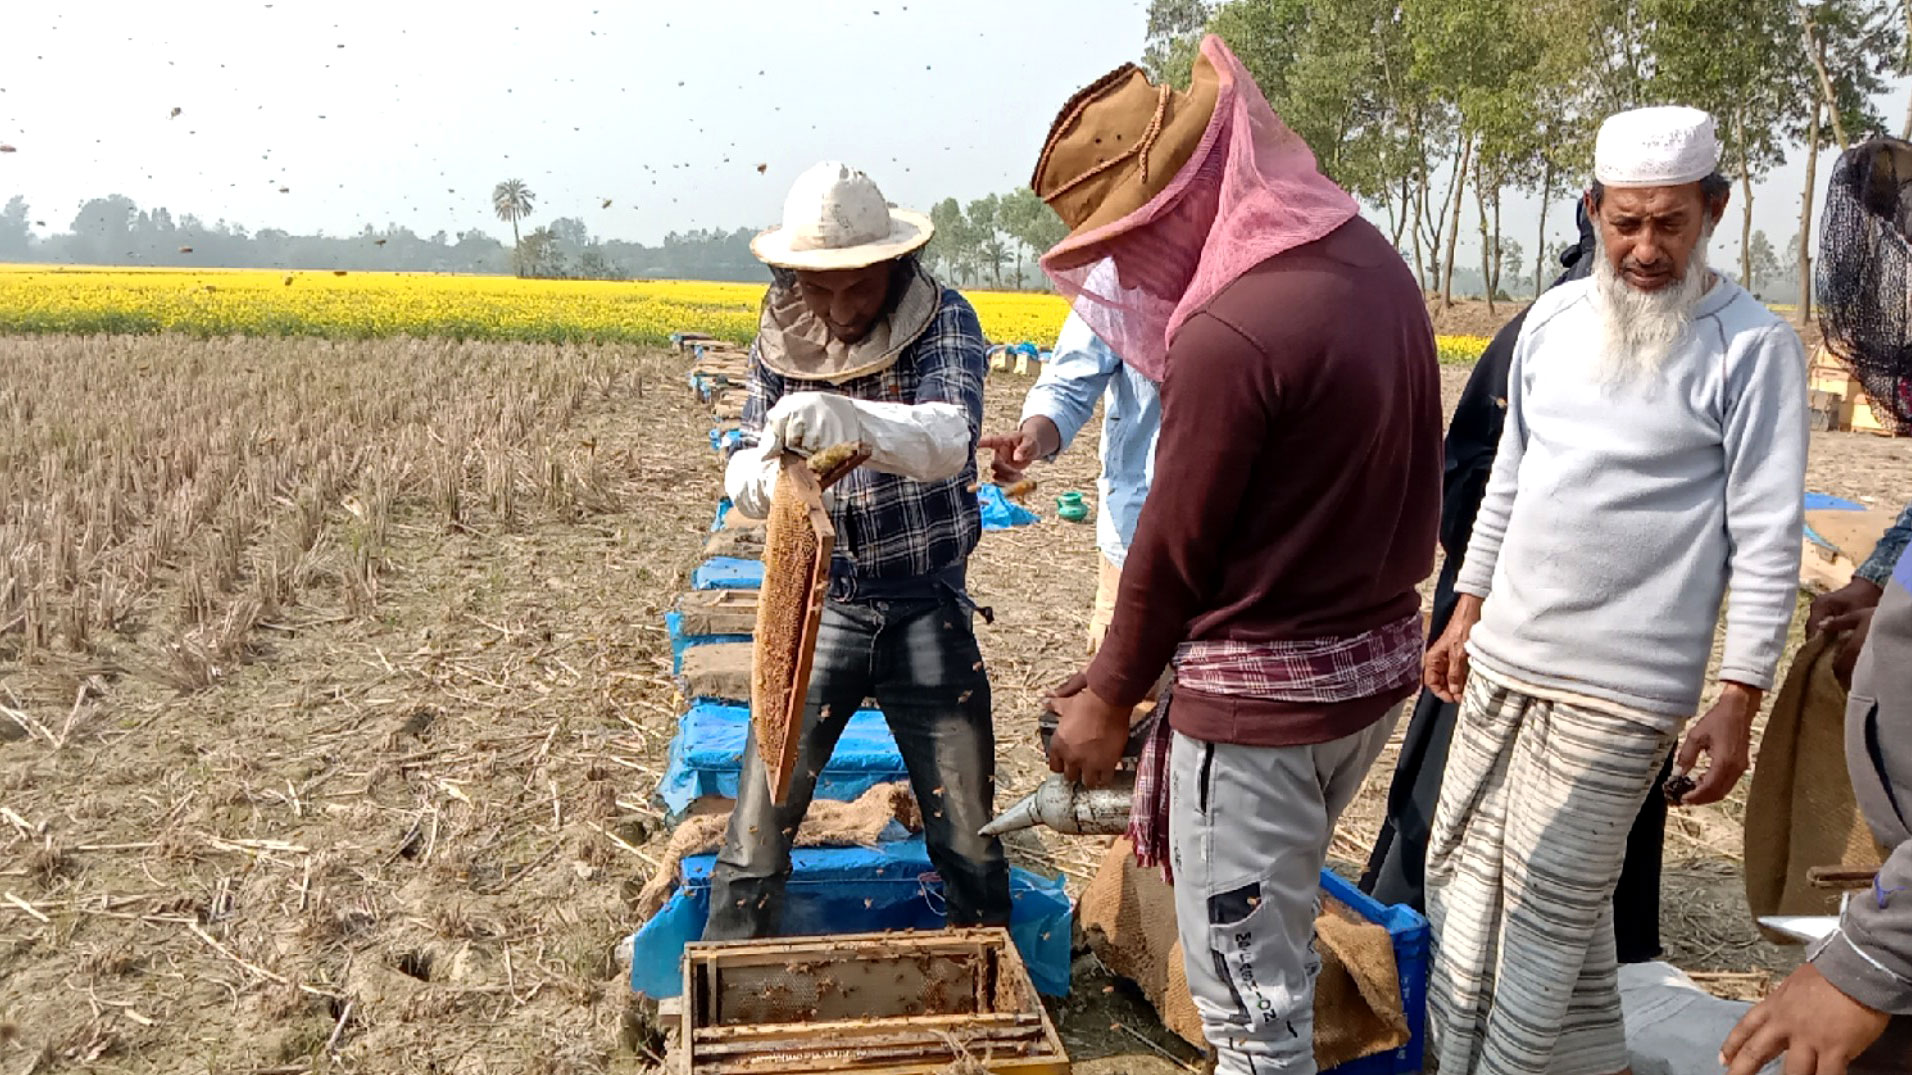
(761, 394)
(1885, 556)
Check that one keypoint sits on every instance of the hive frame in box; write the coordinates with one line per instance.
(889, 1036)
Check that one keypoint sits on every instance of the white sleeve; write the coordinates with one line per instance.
(923, 442)
(1765, 444)
(1476, 576)
(751, 476)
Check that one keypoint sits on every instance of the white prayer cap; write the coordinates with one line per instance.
(1664, 146)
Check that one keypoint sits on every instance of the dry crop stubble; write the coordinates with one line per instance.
(338, 697)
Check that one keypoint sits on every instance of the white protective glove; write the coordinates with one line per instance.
(751, 477)
(808, 422)
(923, 442)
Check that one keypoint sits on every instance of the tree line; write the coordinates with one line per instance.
(1420, 107)
(115, 230)
(992, 241)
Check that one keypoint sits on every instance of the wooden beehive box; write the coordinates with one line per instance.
(719, 612)
(874, 1003)
(1839, 397)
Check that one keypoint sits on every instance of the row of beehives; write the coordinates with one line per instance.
(883, 879)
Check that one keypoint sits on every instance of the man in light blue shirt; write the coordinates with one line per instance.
(1082, 369)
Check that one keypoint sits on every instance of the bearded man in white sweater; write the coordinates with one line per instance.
(1653, 454)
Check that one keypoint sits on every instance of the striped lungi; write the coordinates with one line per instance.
(1528, 843)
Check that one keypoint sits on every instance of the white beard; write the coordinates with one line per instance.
(1640, 329)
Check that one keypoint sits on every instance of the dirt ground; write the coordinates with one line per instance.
(405, 838)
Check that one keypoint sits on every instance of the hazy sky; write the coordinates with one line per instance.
(408, 112)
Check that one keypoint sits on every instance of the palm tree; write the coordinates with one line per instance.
(511, 200)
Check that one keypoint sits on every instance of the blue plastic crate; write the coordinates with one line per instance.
(857, 890)
(706, 757)
(728, 573)
(1410, 935)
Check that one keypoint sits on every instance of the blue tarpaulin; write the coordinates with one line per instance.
(706, 757)
(728, 573)
(1001, 513)
(1825, 502)
(856, 890)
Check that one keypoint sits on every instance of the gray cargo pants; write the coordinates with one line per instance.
(1249, 829)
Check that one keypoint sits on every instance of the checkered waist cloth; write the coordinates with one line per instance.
(1325, 670)
(1314, 670)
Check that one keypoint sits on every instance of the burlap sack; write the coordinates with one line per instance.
(828, 823)
(1358, 996)
(1800, 812)
(720, 671)
(1128, 915)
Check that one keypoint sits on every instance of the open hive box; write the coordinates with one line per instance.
(878, 1003)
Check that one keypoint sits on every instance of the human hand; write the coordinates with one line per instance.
(809, 422)
(1818, 1029)
(1831, 613)
(1858, 624)
(1445, 669)
(1725, 736)
(1090, 734)
(1037, 438)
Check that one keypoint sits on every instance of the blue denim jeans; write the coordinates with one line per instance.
(918, 659)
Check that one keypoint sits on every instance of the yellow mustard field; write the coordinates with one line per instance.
(361, 305)
(368, 305)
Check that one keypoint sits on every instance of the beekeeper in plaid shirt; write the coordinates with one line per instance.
(858, 342)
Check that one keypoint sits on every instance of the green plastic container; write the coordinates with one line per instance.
(1070, 506)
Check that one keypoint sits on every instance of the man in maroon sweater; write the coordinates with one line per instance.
(1294, 511)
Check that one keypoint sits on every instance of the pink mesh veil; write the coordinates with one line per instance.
(1250, 191)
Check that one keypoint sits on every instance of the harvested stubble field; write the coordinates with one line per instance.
(335, 686)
